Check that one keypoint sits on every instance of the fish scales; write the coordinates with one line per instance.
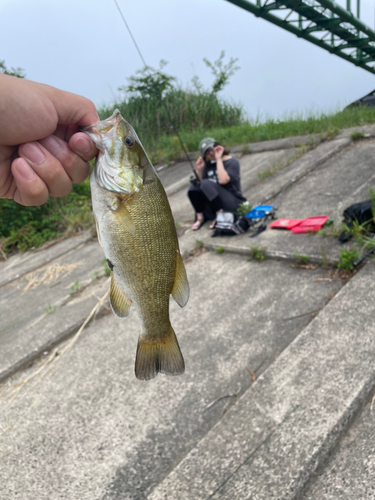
(137, 232)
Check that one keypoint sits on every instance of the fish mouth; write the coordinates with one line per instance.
(106, 127)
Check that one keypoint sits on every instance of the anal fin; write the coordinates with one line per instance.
(120, 303)
(180, 290)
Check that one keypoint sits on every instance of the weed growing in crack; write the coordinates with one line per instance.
(347, 259)
(300, 259)
(50, 309)
(74, 288)
(244, 208)
(257, 254)
(357, 135)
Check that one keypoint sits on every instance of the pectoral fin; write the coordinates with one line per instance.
(180, 290)
(120, 303)
(119, 210)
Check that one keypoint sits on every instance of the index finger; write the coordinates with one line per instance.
(71, 108)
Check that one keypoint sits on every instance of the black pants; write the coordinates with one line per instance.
(209, 197)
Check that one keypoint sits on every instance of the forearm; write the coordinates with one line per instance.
(221, 172)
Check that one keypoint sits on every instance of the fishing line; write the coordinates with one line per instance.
(162, 102)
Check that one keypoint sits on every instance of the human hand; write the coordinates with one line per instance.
(219, 150)
(199, 163)
(41, 150)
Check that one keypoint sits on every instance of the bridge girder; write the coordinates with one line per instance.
(344, 34)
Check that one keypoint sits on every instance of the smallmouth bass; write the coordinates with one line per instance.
(137, 232)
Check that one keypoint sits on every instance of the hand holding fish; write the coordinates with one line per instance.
(42, 151)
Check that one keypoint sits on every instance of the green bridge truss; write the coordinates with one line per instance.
(323, 23)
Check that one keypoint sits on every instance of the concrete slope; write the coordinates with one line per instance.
(286, 424)
(44, 307)
(90, 430)
(22, 263)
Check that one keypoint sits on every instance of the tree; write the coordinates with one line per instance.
(221, 71)
(17, 72)
(151, 83)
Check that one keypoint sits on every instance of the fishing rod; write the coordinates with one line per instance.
(162, 101)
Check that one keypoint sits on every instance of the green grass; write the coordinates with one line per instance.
(50, 309)
(244, 208)
(300, 259)
(74, 289)
(23, 228)
(347, 259)
(257, 254)
(357, 135)
(163, 146)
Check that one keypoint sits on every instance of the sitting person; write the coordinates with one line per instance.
(219, 187)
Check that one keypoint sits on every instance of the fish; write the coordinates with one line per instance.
(137, 232)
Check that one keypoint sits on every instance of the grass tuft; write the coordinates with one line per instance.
(257, 254)
(347, 259)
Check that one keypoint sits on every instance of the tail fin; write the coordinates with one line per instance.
(158, 355)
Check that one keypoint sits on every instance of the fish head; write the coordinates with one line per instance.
(121, 162)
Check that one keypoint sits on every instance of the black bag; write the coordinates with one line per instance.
(361, 213)
(230, 224)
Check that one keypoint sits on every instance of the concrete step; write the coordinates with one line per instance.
(349, 472)
(270, 442)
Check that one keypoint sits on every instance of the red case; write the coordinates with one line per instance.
(311, 224)
(285, 223)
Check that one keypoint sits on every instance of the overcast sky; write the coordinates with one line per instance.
(83, 46)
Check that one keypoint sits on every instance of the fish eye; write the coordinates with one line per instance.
(128, 141)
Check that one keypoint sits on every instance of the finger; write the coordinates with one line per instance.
(47, 167)
(65, 132)
(83, 146)
(72, 108)
(7, 184)
(76, 168)
(30, 189)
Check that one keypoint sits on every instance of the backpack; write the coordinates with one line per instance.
(230, 224)
(361, 213)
